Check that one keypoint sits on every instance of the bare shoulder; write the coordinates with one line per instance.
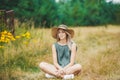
(74, 45)
(53, 46)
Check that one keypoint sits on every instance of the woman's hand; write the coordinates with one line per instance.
(60, 73)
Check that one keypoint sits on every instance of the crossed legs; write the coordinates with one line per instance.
(48, 68)
(51, 69)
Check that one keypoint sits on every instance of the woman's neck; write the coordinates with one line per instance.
(63, 41)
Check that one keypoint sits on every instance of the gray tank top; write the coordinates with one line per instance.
(63, 54)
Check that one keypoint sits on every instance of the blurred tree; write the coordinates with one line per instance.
(70, 12)
(42, 12)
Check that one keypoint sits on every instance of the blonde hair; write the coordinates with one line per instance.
(69, 40)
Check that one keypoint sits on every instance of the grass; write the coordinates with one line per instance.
(98, 53)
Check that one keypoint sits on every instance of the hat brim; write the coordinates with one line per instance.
(54, 32)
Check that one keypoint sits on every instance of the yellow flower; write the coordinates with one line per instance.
(17, 37)
(4, 32)
(2, 37)
(13, 39)
(9, 34)
(23, 35)
(7, 40)
(27, 33)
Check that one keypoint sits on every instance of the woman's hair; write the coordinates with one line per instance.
(68, 38)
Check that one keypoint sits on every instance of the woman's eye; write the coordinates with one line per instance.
(61, 31)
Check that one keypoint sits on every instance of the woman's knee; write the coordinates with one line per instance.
(75, 68)
(42, 65)
(79, 67)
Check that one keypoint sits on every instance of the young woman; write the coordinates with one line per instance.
(64, 53)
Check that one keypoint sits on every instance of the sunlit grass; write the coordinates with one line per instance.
(98, 53)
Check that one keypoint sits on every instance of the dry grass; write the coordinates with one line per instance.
(98, 53)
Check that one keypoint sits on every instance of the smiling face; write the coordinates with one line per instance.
(62, 34)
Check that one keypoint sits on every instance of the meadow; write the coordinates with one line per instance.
(98, 53)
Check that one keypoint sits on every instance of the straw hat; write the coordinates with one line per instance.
(64, 27)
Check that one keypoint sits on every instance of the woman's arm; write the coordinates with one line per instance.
(73, 54)
(55, 58)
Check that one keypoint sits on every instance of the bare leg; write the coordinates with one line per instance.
(48, 68)
(75, 69)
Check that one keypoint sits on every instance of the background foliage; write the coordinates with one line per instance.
(71, 12)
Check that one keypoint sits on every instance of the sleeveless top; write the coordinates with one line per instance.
(63, 54)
